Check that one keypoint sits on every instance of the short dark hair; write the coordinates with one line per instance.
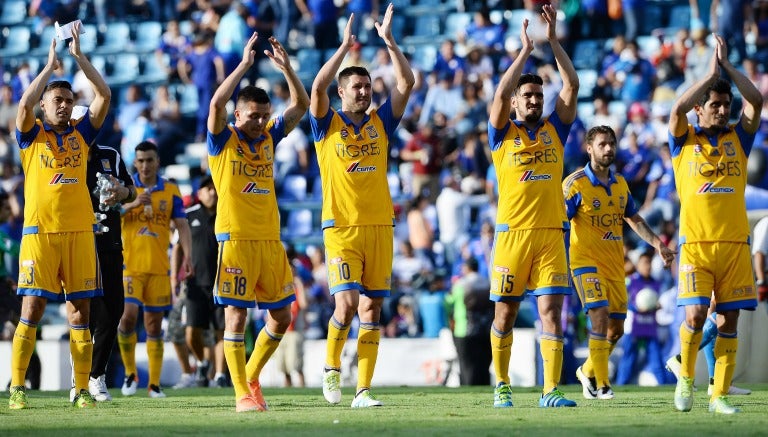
(352, 71)
(252, 94)
(146, 146)
(472, 264)
(721, 86)
(56, 84)
(594, 131)
(206, 180)
(528, 78)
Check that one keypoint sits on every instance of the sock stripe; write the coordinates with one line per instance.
(690, 328)
(79, 327)
(495, 331)
(597, 336)
(727, 334)
(273, 336)
(338, 325)
(237, 337)
(28, 323)
(550, 336)
(371, 326)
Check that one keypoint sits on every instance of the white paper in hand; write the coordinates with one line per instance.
(65, 32)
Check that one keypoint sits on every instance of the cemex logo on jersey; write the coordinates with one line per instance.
(529, 176)
(144, 230)
(59, 178)
(355, 167)
(252, 188)
(709, 187)
(611, 237)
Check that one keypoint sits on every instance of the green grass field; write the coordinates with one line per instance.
(433, 411)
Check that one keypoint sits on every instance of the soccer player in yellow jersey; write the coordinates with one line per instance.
(710, 161)
(253, 268)
(597, 203)
(529, 249)
(58, 259)
(146, 229)
(358, 217)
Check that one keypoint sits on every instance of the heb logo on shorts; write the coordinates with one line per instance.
(529, 176)
(501, 269)
(709, 187)
(59, 178)
(252, 188)
(233, 270)
(355, 167)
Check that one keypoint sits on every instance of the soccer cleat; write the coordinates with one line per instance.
(220, 381)
(684, 394)
(732, 391)
(673, 365)
(588, 385)
(201, 373)
(187, 380)
(18, 398)
(255, 389)
(130, 385)
(721, 405)
(605, 393)
(365, 399)
(332, 386)
(502, 396)
(248, 403)
(84, 400)
(555, 398)
(98, 389)
(155, 392)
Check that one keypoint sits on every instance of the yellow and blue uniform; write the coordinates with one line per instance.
(58, 257)
(529, 251)
(146, 274)
(252, 266)
(711, 176)
(357, 215)
(596, 254)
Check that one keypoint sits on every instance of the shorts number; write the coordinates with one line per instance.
(129, 287)
(507, 284)
(27, 276)
(690, 281)
(344, 271)
(240, 285)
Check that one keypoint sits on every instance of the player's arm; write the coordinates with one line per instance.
(565, 106)
(753, 100)
(177, 255)
(319, 103)
(102, 94)
(25, 117)
(299, 97)
(678, 121)
(185, 241)
(502, 104)
(217, 115)
(403, 73)
(641, 228)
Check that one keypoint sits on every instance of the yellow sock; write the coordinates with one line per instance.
(22, 348)
(726, 346)
(234, 352)
(367, 351)
(599, 350)
(501, 351)
(337, 336)
(266, 344)
(127, 345)
(689, 347)
(155, 359)
(588, 368)
(551, 348)
(81, 349)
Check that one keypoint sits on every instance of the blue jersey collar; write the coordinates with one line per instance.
(593, 177)
(349, 122)
(158, 187)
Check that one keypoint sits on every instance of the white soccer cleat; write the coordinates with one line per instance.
(588, 385)
(332, 386)
(733, 391)
(187, 380)
(130, 385)
(365, 399)
(674, 366)
(605, 393)
(155, 392)
(98, 389)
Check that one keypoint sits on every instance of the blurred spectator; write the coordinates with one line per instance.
(84, 94)
(404, 322)
(166, 118)
(173, 47)
(661, 200)
(231, 36)
(291, 155)
(321, 15)
(483, 32)
(760, 258)
(354, 57)
(379, 92)
(633, 161)
(366, 13)
(8, 111)
(289, 356)
(632, 11)
(512, 49)
(203, 67)
(632, 77)
(575, 156)
(481, 248)
(470, 312)
(443, 97)
(732, 16)
(697, 59)
(603, 117)
(382, 67)
(136, 131)
(46, 12)
(537, 31)
(551, 86)
(421, 233)
(21, 80)
(449, 62)
(452, 217)
(670, 59)
(471, 163)
(594, 20)
(423, 150)
(406, 266)
(479, 68)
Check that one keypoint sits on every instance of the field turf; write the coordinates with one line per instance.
(421, 411)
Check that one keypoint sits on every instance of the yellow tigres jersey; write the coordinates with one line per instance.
(529, 167)
(711, 176)
(146, 240)
(353, 167)
(597, 216)
(243, 174)
(55, 192)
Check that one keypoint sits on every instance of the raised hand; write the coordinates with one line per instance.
(278, 55)
(53, 59)
(384, 28)
(721, 48)
(549, 14)
(526, 41)
(349, 39)
(249, 54)
(74, 45)
(714, 63)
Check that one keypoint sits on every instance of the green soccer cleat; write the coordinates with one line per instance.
(502, 396)
(684, 394)
(721, 405)
(555, 399)
(18, 399)
(332, 385)
(84, 400)
(365, 399)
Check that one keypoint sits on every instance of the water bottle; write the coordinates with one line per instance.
(103, 185)
(148, 212)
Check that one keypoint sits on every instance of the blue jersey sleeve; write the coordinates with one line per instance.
(561, 128)
(277, 131)
(496, 136)
(631, 208)
(746, 139)
(320, 125)
(676, 143)
(572, 205)
(86, 129)
(25, 139)
(178, 208)
(217, 141)
(388, 118)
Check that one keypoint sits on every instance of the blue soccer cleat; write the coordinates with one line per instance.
(555, 398)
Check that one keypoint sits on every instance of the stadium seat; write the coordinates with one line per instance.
(394, 184)
(619, 109)
(515, 21)
(13, 12)
(125, 69)
(587, 82)
(148, 36)
(294, 188)
(587, 54)
(648, 45)
(153, 72)
(44, 42)
(456, 22)
(652, 18)
(99, 63)
(117, 38)
(426, 29)
(317, 188)
(586, 112)
(679, 18)
(89, 38)
(178, 172)
(16, 41)
(309, 59)
(188, 101)
(299, 223)
(424, 56)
